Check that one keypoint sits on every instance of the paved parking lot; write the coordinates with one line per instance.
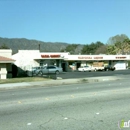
(68, 75)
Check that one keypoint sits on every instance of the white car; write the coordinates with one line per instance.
(84, 68)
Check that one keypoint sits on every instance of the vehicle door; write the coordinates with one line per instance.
(45, 70)
(51, 69)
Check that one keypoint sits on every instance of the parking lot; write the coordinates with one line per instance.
(76, 74)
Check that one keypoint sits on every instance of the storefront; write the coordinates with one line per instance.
(26, 59)
(119, 61)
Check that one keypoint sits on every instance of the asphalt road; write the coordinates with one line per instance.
(90, 106)
(68, 75)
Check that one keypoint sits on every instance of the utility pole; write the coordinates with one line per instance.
(39, 46)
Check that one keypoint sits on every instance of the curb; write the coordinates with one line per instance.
(57, 82)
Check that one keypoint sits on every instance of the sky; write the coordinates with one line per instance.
(70, 21)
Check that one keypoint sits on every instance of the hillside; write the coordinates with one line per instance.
(24, 44)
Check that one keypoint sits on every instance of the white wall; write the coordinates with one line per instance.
(3, 71)
(25, 59)
(6, 53)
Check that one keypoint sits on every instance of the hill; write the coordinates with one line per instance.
(24, 44)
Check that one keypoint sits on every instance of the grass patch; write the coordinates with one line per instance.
(26, 79)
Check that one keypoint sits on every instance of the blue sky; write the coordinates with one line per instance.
(70, 21)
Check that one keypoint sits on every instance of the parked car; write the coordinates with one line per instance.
(109, 67)
(50, 69)
(37, 69)
(84, 68)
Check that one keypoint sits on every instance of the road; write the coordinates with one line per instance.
(68, 75)
(88, 106)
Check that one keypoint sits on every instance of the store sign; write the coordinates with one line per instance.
(45, 56)
(121, 57)
(84, 57)
(54, 56)
(50, 56)
(98, 57)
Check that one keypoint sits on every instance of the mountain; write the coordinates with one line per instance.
(24, 44)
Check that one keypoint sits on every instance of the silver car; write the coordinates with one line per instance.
(36, 70)
(50, 69)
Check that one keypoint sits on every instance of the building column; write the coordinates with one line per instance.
(58, 63)
(3, 71)
(67, 66)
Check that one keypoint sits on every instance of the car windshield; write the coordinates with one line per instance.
(86, 66)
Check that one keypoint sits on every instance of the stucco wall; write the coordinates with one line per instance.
(3, 71)
(25, 59)
(6, 53)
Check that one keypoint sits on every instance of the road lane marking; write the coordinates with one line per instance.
(47, 99)
(29, 123)
(19, 102)
(72, 96)
(94, 93)
(97, 113)
(114, 91)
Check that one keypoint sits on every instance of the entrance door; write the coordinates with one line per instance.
(64, 66)
(78, 65)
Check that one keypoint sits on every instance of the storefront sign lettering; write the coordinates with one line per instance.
(120, 57)
(45, 56)
(54, 56)
(50, 56)
(84, 57)
(98, 57)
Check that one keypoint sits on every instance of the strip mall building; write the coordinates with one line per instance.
(26, 59)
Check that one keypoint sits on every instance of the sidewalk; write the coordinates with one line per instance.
(57, 82)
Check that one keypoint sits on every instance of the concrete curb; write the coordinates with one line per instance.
(57, 82)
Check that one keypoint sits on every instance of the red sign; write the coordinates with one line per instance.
(50, 56)
(54, 56)
(45, 56)
(121, 57)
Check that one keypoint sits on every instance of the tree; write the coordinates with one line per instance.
(101, 50)
(117, 38)
(70, 48)
(4, 47)
(119, 47)
(111, 49)
(91, 48)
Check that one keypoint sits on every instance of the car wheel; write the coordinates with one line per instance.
(57, 72)
(40, 73)
(113, 69)
(107, 69)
